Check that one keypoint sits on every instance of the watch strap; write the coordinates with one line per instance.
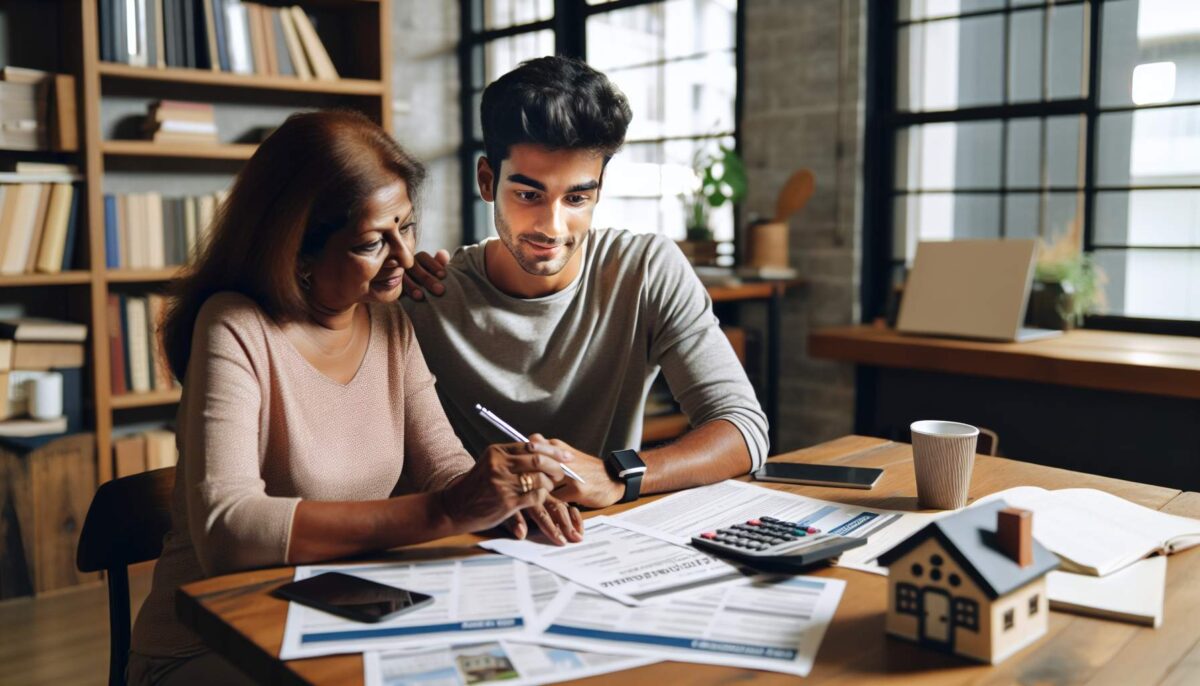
(633, 488)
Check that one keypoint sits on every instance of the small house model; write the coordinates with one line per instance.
(971, 583)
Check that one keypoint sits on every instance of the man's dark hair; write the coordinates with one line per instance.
(556, 102)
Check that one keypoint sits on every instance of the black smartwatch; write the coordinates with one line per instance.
(626, 466)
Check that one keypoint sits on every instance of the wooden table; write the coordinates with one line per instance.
(237, 617)
(1104, 360)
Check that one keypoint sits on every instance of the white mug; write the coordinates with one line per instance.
(45, 393)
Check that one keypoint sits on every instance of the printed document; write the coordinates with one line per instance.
(678, 517)
(475, 598)
(769, 623)
(496, 662)
(623, 562)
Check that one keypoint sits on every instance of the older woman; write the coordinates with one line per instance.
(305, 395)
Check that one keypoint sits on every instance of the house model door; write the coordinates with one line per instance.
(935, 619)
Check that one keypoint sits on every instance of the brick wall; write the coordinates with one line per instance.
(804, 79)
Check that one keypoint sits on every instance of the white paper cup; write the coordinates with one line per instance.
(46, 396)
(943, 455)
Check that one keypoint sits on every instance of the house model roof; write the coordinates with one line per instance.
(969, 537)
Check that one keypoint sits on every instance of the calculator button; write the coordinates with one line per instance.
(813, 530)
(754, 522)
(709, 535)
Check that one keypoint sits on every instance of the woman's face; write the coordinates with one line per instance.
(365, 262)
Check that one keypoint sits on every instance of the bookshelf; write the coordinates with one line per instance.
(357, 36)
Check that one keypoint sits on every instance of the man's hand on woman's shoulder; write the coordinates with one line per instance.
(426, 275)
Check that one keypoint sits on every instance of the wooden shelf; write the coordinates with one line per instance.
(226, 151)
(754, 290)
(142, 275)
(200, 77)
(133, 400)
(60, 279)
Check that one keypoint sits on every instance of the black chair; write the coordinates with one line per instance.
(125, 525)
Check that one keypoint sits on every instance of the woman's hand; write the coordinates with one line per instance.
(508, 478)
(560, 521)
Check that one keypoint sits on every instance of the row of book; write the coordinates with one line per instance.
(144, 451)
(135, 344)
(148, 231)
(38, 224)
(30, 347)
(37, 110)
(221, 35)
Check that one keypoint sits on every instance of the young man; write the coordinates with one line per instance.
(560, 328)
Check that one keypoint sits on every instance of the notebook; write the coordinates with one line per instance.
(1098, 533)
(1134, 594)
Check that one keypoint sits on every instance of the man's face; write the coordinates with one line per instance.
(543, 203)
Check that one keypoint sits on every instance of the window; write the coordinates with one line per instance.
(676, 62)
(1075, 120)
(1033, 605)
(1008, 619)
(966, 613)
(906, 599)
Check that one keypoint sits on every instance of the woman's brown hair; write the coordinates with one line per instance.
(309, 179)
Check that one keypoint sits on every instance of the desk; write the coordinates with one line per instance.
(236, 615)
(1120, 404)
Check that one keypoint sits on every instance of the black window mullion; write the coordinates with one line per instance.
(1091, 113)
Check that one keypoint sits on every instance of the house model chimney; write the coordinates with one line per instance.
(1014, 533)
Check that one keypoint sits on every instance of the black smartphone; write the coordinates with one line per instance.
(353, 598)
(819, 474)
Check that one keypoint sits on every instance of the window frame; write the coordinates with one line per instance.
(569, 23)
(883, 122)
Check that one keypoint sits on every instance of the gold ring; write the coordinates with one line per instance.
(526, 484)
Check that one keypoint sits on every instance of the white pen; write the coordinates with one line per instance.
(517, 436)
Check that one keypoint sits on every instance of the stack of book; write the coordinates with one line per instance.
(30, 347)
(221, 35)
(38, 219)
(174, 121)
(148, 231)
(144, 451)
(135, 344)
(37, 110)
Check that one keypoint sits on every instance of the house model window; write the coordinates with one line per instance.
(966, 613)
(1008, 619)
(1033, 606)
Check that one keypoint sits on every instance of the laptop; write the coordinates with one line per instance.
(971, 289)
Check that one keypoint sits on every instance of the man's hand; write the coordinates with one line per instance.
(558, 520)
(601, 490)
(426, 274)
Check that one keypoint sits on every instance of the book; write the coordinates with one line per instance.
(8, 205)
(64, 132)
(154, 231)
(69, 244)
(24, 215)
(269, 40)
(241, 60)
(124, 250)
(138, 364)
(158, 57)
(191, 55)
(767, 273)
(108, 40)
(6, 352)
(210, 35)
(24, 428)
(318, 57)
(41, 329)
(54, 238)
(116, 346)
(258, 46)
(137, 50)
(7, 408)
(40, 356)
(156, 305)
(1098, 533)
(220, 34)
(160, 449)
(1134, 594)
(295, 49)
(129, 455)
(112, 255)
(283, 58)
(39, 229)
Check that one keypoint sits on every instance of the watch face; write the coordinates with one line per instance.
(628, 460)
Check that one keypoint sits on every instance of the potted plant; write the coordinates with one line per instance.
(1067, 284)
(719, 178)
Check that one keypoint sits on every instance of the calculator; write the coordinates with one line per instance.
(774, 544)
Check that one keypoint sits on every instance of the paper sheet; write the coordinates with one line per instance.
(678, 517)
(622, 561)
(475, 599)
(768, 623)
(497, 662)
(1134, 594)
